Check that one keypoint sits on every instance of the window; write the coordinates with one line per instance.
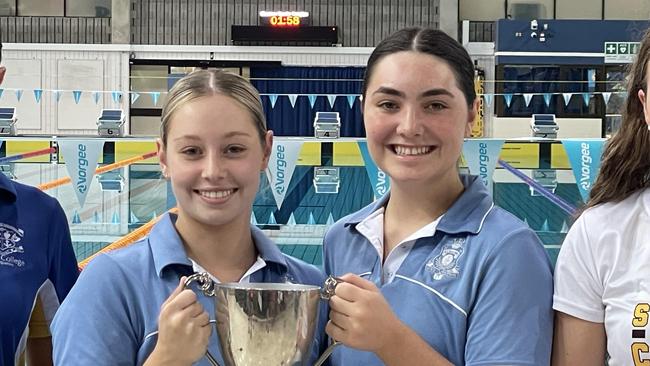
(87, 8)
(7, 8)
(40, 8)
(71, 8)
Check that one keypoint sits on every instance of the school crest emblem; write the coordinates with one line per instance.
(445, 264)
(9, 238)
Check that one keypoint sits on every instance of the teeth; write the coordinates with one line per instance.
(403, 150)
(217, 194)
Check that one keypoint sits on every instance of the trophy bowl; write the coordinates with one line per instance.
(270, 324)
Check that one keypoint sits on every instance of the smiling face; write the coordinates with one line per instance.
(213, 158)
(416, 118)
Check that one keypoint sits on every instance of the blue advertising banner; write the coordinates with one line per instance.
(81, 158)
(482, 156)
(282, 163)
(378, 179)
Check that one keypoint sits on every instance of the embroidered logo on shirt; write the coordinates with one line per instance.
(445, 265)
(9, 238)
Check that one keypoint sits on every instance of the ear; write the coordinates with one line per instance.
(642, 99)
(268, 147)
(3, 70)
(471, 116)
(162, 157)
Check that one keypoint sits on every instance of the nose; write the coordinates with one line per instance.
(409, 123)
(213, 167)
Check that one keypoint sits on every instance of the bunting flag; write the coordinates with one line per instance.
(96, 96)
(57, 95)
(379, 180)
(115, 219)
(77, 95)
(154, 97)
(76, 219)
(81, 158)
(253, 218)
(584, 156)
(606, 96)
(1, 92)
(292, 99)
(273, 98)
(351, 99)
(292, 220)
(330, 220)
(547, 99)
(481, 156)
(19, 94)
(272, 219)
(488, 99)
(117, 96)
(133, 219)
(38, 93)
(331, 99)
(567, 98)
(508, 99)
(527, 98)
(282, 163)
(312, 100)
(585, 98)
(96, 218)
(311, 220)
(544, 227)
(134, 97)
(565, 228)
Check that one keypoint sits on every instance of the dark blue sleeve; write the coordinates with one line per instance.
(511, 321)
(63, 268)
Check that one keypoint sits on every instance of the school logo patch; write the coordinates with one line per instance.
(9, 238)
(445, 264)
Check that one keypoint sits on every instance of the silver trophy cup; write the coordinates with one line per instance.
(265, 323)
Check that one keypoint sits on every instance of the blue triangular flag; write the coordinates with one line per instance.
(585, 98)
(37, 95)
(565, 228)
(292, 99)
(312, 100)
(96, 217)
(77, 95)
(253, 218)
(75, 218)
(134, 97)
(57, 95)
(508, 99)
(272, 219)
(116, 218)
(133, 219)
(547, 99)
(606, 97)
(154, 97)
(488, 99)
(292, 220)
(351, 99)
(311, 220)
(19, 94)
(154, 215)
(96, 97)
(1, 91)
(567, 98)
(330, 220)
(545, 226)
(273, 98)
(332, 100)
(526, 222)
(527, 98)
(117, 96)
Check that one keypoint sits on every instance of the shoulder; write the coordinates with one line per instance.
(621, 212)
(500, 227)
(125, 262)
(30, 197)
(304, 272)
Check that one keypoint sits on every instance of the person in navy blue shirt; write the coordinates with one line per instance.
(433, 273)
(37, 269)
(129, 307)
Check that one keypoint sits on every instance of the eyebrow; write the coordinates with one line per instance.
(228, 135)
(428, 93)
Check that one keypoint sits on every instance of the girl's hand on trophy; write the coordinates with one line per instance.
(183, 328)
(360, 317)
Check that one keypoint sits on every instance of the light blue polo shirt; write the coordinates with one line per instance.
(478, 289)
(110, 316)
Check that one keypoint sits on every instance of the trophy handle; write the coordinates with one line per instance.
(206, 285)
(327, 353)
(329, 286)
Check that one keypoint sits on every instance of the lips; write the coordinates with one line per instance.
(215, 194)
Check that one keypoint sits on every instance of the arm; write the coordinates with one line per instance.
(361, 318)
(578, 342)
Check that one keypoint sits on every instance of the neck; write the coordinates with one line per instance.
(226, 251)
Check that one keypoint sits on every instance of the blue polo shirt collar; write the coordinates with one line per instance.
(7, 189)
(466, 215)
(167, 247)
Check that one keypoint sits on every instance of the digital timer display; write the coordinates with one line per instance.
(284, 19)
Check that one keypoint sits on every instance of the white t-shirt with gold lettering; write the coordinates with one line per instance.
(602, 275)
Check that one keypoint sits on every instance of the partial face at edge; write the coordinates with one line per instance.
(643, 97)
